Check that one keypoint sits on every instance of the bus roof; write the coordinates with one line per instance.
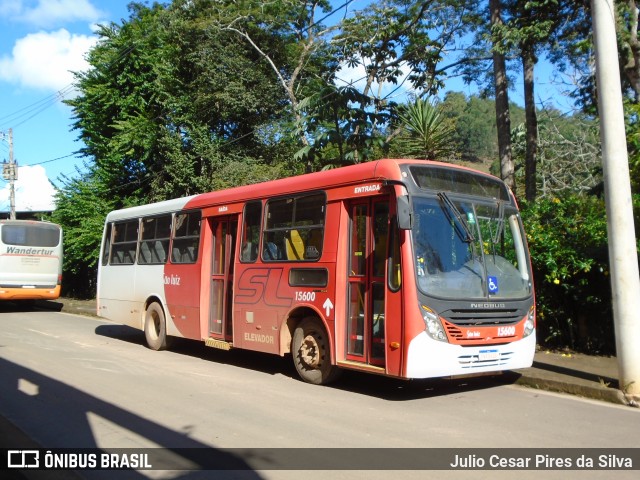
(386, 169)
(27, 222)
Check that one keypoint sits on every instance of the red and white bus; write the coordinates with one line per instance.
(405, 268)
(30, 260)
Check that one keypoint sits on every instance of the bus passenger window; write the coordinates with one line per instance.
(154, 245)
(106, 248)
(125, 243)
(294, 228)
(395, 273)
(186, 237)
(251, 232)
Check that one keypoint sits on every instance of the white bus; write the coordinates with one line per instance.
(30, 260)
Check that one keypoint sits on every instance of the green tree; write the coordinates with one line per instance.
(82, 215)
(287, 37)
(425, 133)
(394, 43)
(501, 86)
(568, 157)
(169, 99)
(170, 107)
(528, 30)
(568, 242)
(475, 137)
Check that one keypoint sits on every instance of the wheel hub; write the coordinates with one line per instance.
(310, 351)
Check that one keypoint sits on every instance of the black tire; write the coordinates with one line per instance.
(312, 354)
(155, 327)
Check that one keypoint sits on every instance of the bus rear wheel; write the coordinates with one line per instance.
(155, 327)
(311, 353)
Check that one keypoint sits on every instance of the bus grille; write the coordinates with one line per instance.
(469, 317)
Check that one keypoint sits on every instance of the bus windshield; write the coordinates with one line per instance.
(30, 234)
(469, 249)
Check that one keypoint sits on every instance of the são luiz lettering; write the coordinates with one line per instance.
(540, 461)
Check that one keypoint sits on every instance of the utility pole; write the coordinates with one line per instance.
(10, 173)
(623, 257)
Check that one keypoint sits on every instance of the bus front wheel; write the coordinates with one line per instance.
(155, 327)
(311, 352)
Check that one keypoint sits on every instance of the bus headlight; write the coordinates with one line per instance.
(529, 324)
(433, 324)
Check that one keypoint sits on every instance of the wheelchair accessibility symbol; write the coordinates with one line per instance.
(493, 285)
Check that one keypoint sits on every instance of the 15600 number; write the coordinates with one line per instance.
(506, 331)
(305, 296)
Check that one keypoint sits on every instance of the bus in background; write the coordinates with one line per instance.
(30, 260)
(404, 268)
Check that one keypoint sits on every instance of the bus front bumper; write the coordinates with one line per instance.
(19, 293)
(427, 358)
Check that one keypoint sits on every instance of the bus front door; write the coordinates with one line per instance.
(367, 286)
(224, 231)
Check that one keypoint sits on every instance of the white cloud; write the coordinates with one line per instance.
(34, 191)
(47, 13)
(45, 60)
(356, 76)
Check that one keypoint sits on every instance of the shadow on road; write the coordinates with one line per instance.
(592, 377)
(56, 415)
(386, 388)
(30, 306)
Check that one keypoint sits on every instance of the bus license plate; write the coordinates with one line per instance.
(486, 355)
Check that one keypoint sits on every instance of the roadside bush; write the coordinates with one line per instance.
(568, 243)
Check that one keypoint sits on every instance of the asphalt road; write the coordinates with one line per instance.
(69, 381)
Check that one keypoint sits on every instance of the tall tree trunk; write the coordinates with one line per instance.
(632, 64)
(503, 120)
(531, 155)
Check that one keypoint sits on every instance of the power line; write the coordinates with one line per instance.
(28, 112)
(22, 115)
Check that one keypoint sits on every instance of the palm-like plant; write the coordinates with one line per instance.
(426, 134)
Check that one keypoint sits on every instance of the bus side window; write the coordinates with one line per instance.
(106, 248)
(395, 273)
(154, 245)
(251, 232)
(186, 237)
(125, 243)
(294, 228)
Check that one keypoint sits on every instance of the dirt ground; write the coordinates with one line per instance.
(83, 307)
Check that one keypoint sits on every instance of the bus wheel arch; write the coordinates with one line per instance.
(155, 326)
(311, 351)
(288, 327)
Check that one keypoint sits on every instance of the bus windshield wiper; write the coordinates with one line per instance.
(453, 213)
(499, 223)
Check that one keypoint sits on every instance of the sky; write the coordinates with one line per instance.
(41, 43)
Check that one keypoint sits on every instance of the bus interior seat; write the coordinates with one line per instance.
(271, 252)
(183, 254)
(295, 246)
(145, 253)
(314, 244)
(158, 252)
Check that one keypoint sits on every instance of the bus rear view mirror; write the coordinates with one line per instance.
(404, 213)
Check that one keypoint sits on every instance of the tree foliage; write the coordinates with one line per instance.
(568, 241)
(425, 133)
(198, 95)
